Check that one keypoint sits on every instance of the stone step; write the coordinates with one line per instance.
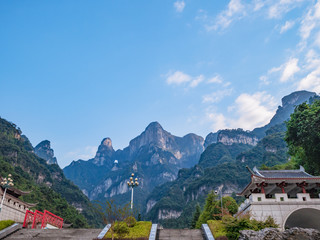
(179, 234)
(55, 234)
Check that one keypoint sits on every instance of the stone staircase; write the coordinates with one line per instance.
(54, 234)
(179, 234)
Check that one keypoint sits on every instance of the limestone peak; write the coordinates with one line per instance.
(44, 150)
(107, 142)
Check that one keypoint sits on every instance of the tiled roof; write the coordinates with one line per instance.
(300, 173)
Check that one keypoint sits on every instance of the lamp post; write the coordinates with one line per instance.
(132, 184)
(6, 183)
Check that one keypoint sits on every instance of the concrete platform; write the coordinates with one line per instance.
(179, 234)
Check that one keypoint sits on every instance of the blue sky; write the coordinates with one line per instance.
(74, 72)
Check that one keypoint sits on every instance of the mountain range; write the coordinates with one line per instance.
(174, 173)
(163, 162)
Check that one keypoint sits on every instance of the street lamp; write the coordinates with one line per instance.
(216, 192)
(132, 184)
(6, 183)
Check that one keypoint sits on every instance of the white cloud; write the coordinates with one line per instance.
(310, 21)
(253, 111)
(215, 79)
(250, 111)
(195, 82)
(179, 6)
(178, 78)
(216, 96)
(288, 25)
(86, 153)
(289, 69)
(218, 121)
(258, 4)
(279, 8)
(264, 80)
(311, 82)
(235, 10)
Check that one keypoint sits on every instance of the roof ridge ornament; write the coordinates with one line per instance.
(247, 167)
(302, 169)
(255, 169)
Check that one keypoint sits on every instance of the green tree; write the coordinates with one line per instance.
(230, 204)
(303, 135)
(195, 216)
(210, 211)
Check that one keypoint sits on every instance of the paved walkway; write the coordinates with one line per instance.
(53, 234)
(179, 234)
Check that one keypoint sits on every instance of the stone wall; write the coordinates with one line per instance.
(13, 209)
(279, 208)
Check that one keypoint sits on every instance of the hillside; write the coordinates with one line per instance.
(50, 189)
(220, 167)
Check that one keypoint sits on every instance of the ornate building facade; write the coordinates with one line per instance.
(289, 196)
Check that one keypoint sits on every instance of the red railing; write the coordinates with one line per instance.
(50, 218)
(38, 216)
(34, 218)
(29, 217)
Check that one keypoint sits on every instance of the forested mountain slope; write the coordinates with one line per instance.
(47, 183)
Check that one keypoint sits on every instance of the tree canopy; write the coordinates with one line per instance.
(303, 136)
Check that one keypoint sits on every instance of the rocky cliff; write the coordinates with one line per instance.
(105, 153)
(289, 102)
(231, 136)
(155, 156)
(44, 150)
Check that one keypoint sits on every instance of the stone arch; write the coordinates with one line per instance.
(307, 217)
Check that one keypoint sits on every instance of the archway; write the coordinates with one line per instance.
(304, 218)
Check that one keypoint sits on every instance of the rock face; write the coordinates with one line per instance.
(44, 151)
(105, 153)
(231, 136)
(273, 233)
(155, 156)
(168, 214)
(211, 138)
(289, 102)
(184, 149)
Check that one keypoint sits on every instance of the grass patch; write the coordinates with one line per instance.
(217, 228)
(140, 230)
(5, 223)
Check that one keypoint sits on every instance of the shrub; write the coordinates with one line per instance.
(217, 228)
(121, 228)
(6, 223)
(131, 221)
(234, 225)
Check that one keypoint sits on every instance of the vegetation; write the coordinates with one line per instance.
(303, 136)
(216, 169)
(213, 211)
(195, 216)
(47, 183)
(231, 226)
(118, 217)
(5, 223)
(141, 231)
